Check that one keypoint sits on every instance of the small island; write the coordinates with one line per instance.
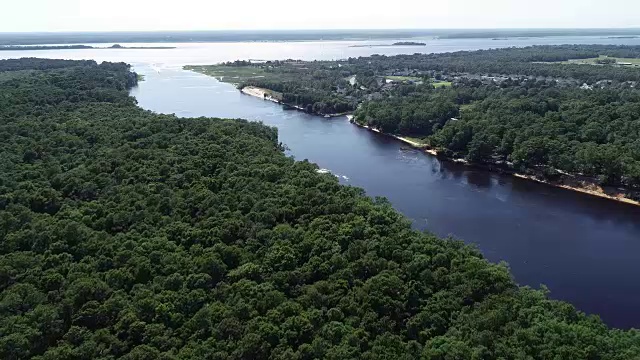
(118, 46)
(409, 43)
(399, 43)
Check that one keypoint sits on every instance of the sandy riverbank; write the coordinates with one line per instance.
(259, 93)
(404, 140)
(265, 95)
(589, 189)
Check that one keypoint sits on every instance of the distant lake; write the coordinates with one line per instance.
(585, 249)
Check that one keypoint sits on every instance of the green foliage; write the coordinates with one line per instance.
(605, 61)
(537, 61)
(524, 109)
(318, 88)
(128, 234)
(589, 132)
(417, 110)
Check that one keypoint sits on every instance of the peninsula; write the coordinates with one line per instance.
(526, 111)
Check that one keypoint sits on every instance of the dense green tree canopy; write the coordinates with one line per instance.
(538, 61)
(128, 234)
(530, 124)
(522, 109)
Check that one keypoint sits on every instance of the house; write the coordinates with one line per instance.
(604, 83)
(404, 72)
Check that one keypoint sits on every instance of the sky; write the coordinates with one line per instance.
(149, 15)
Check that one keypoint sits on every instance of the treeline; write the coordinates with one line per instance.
(594, 133)
(329, 87)
(315, 96)
(44, 47)
(318, 89)
(528, 61)
(535, 125)
(128, 234)
(526, 33)
(518, 107)
(421, 111)
(40, 64)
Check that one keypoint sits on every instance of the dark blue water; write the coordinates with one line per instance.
(584, 249)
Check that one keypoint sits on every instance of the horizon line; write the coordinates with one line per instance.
(321, 30)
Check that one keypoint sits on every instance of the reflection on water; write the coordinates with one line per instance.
(478, 179)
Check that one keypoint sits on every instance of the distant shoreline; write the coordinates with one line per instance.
(293, 35)
(79, 47)
(401, 43)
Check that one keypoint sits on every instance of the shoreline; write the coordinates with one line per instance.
(83, 47)
(259, 93)
(583, 190)
(433, 152)
(263, 94)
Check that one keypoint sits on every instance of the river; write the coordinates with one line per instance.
(584, 249)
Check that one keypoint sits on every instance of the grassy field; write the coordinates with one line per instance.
(417, 79)
(239, 74)
(442, 84)
(403, 78)
(593, 61)
(229, 74)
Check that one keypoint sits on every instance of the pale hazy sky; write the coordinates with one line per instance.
(121, 15)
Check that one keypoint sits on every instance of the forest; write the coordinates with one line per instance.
(134, 235)
(528, 109)
(326, 87)
(532, 125)
(534, 61)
